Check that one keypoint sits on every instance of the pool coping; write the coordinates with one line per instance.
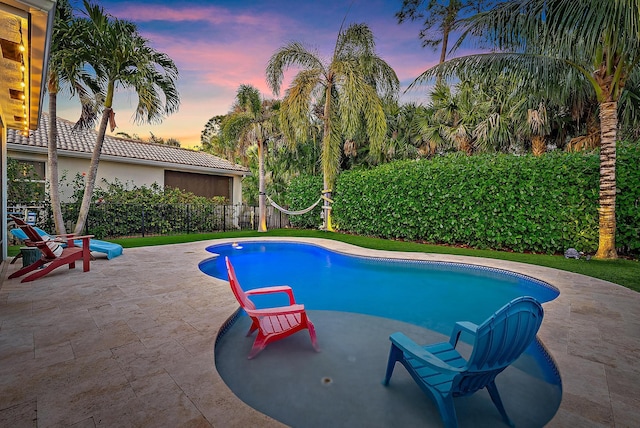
(135, 320)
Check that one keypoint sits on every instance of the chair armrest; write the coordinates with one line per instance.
(410, 347)
(280, 310)
(462, 327)
(275, 289)
(63, 238)
(84, 238)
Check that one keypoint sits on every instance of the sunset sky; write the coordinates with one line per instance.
(218, 45)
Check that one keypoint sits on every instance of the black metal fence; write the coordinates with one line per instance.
(110, 220)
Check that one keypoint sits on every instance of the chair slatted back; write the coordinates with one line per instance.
(242, 298)
(499, 341)
(34, 237)
(19, 234)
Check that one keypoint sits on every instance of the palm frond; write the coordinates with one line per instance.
(485, 67)
(292, 54)
(294, 115)
(331, 153)
(356, 41)
(233, 125)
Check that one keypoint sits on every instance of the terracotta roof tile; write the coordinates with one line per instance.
(84, 141)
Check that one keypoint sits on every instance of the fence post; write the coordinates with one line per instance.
(188, 206)
(224, 218)
(142, 221)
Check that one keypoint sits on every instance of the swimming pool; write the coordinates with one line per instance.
(433, 295)
(420, 297)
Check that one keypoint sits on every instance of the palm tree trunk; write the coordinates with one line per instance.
(466, 146)
(262, 203)
(607, 199)
(326, 206)
(443, 50)
(538, 145)
(93, 172)
(326, 149)
(52, 164)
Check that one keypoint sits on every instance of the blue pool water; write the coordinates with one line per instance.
(427, 294)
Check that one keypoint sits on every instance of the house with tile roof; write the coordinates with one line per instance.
(25, 36)
(130, 161)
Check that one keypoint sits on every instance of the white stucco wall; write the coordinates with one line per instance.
(138, 175)
(127, 173)
(236, 193)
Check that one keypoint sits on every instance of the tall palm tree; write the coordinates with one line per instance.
(121, 57)
(350, 88)
(546, 41)
(440, 19)
(65, 70)
(253, 121)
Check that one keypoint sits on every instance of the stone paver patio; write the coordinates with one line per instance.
(131, 343)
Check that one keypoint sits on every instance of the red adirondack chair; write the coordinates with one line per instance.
(272, 323)
(50, 260)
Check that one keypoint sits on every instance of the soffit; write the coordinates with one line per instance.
(22, 72)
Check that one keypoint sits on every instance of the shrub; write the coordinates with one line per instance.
(521, 203)
(628, 198)
(122, 210)
(303, 192)
(24, 185)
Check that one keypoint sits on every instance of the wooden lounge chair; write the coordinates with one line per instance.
(50, 260)
(442, 373)
(95, 245)
(272, 323)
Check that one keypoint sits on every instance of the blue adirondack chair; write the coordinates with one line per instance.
(442, 373)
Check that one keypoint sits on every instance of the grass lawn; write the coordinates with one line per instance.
(621, 271)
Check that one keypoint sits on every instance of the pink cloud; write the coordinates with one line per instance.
(142, 13)
(211, 14)
(221, 65)
(218, 16)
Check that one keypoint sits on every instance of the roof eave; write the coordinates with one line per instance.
(168, 165)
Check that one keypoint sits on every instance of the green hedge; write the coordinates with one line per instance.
(521, 203)
(303, 192)
(628, 198)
